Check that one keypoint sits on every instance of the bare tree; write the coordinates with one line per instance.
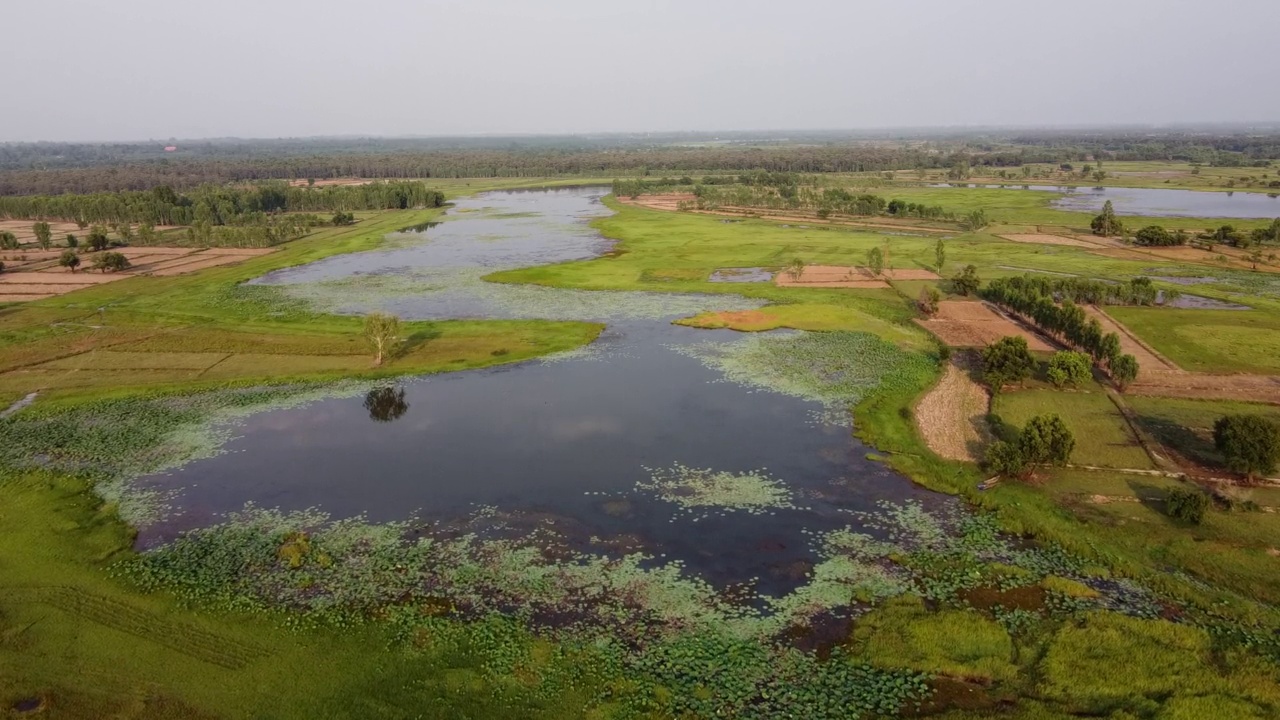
(381, 330)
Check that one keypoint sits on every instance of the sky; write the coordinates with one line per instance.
(90, 70)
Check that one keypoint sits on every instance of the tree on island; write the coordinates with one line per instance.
(381, 330)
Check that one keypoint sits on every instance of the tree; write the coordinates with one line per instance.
(795, 269)
(1004, 459)
(1069, 368)
(1007, 360)
(385, 404)
(72, 241)
(69, 260)
(928, 301)
(8, 241)
(975, 221)
(875, 261)
(1249, 443)
(1124, 370)
(343, 218)
(112, 261)
(1107, 224)
(381, 330)
(1154, 236)
(967, 281)
(1046, 440)
(940, 254)
(44, 235)
(98, 238)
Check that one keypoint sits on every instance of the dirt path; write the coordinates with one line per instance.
(952, 417)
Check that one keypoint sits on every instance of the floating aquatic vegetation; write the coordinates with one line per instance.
(836, 369)
(702, 491)
(453, 292)
(115, 441)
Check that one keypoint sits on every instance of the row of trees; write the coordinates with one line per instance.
(217, 205)
(1137, 291)
(1070, 324)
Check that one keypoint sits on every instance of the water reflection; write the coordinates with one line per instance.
(386, 404)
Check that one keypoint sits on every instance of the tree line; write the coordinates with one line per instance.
(1032, 299)
(211, 205)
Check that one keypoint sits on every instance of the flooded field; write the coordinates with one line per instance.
(1157, 202)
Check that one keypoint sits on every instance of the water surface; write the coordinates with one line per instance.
(1156, 202)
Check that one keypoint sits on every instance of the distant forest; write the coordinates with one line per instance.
(55, 168)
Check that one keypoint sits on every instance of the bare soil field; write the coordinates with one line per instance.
(843, 276)
(952, 417)
(671, 202)
(45, 278)
(1041, 239)
(962, 323)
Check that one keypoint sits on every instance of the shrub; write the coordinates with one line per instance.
(1124, 370)
(69, 260)
(928, 301)
(1250, 444)
(1069, 368)
(1188, 506)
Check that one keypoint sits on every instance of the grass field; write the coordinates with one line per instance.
(1103, 438)
(1187, 425)
(1213, 341)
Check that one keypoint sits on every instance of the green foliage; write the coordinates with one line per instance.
(1249, 443)
(1005, 459)
(112, 261)
(1069, 368)
(72, 241)
(967, 282)
(1156, 236)
(1106, 223)
(44, 234)
(795, 268)
(8, 241)
(956, 643)
(929, 300)
(69, 259)
(1124, 370)
(1006, 361)
(875, 261)
(1046, 440)
(382, 331)
(1188, 505)
(341, 219)
(975, 220)
(939, 255)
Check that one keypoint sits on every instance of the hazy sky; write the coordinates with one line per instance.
(143, 69)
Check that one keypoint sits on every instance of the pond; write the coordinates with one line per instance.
(608, 446)
(1156, 202)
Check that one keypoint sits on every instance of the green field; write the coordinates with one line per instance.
(1102, 436)
(1211, 341)
(1187, 425)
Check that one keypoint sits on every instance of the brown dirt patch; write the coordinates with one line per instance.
(238, 252)
(8, 298)
(952, 417)
(39, 289)
(1030, 597)
(961, 323)
(59, 277)
(1038, 239)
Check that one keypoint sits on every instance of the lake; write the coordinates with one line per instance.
(573, 443)
(1156, 202)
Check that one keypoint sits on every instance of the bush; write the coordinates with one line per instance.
(1124, 370)
(1250, 444)
(1069, 368)
(1186, 505)
(928, 301)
